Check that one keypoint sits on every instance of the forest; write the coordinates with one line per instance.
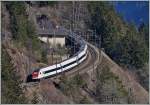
(125, 43)
(121, 40)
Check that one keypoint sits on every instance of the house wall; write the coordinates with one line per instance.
(60, 40)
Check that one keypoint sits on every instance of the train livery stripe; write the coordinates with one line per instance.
(64, 65)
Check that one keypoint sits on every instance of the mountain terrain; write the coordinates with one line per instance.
(122, 74)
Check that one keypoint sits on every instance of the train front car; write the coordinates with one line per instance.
(35, 74)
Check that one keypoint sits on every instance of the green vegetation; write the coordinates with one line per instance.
(46, 3)
(144, 33)
(61, 50)
(74, 83)
(122, 41)
(44, 57)
(35, 98)
(11, 90)
(23, 31)
(71, 87)
(144, 76)
(109, 88)
(85, 100)
(17, 12)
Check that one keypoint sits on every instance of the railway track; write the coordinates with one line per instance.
(88, 65)
(91, 62)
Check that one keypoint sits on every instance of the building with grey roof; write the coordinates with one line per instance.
(48, 31)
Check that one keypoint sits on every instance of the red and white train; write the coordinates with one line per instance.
(79, 57)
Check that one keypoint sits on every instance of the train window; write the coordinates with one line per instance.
(51, 70)
(64, 65)
(37, 70)
(73, 62)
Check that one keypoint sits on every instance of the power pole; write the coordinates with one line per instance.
(95, 38)
(53, 52)
(56, 67)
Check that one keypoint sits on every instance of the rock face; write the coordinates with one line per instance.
(52, 95)
(18, 58)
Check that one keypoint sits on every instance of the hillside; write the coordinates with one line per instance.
(121, 76)
(139, 94)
